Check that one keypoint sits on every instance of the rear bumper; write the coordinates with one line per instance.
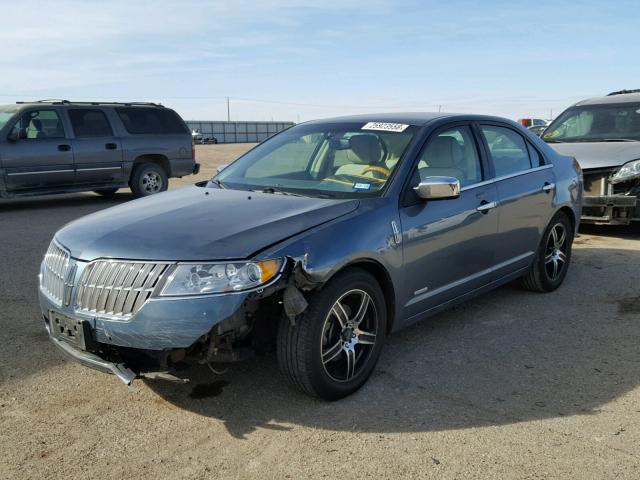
(181, 167)
(610, 209)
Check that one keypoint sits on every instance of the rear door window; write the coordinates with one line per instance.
(151, 121)
(536, 158)
(508, 150)
(90, 123)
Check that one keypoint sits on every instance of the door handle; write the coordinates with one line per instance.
(547, 187)
(64, 148)
(486, 206)
(111, 146)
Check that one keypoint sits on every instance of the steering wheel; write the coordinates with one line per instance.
(382, 170)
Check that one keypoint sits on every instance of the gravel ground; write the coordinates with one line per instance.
(511, 385)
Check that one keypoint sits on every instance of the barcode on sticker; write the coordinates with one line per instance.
(386, 127)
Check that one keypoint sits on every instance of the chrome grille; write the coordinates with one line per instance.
(56, 269)
(117, 288)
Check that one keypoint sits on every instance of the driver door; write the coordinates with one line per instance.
(449, 244)
(43, 159)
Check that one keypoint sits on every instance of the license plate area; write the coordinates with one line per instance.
(69, 329)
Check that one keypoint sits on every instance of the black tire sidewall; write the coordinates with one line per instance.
(322, 383)
(548, 284)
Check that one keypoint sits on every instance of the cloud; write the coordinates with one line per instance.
(407, 54)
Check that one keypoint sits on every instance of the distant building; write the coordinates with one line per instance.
(237, 132)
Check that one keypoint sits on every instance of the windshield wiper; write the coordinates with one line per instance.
(218, 183)
(279, 192)
(617, 140)
(594, 140)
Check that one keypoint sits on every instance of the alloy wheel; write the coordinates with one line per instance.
(151, 182)
(555, 259)
(349, 335)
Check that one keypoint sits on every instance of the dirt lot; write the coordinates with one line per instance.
(512, 385)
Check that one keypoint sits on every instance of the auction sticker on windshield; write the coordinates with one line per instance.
(386, 127)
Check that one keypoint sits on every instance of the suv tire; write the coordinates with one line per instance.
(552, 259)
(148, 178)
(333, 347)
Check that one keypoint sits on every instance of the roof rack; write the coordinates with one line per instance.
(54, 101)
(622, 92)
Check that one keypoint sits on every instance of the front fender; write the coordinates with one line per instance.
(363, 235)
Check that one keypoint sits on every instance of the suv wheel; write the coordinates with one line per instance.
(335, 344)
(147, 179)
(553, 256)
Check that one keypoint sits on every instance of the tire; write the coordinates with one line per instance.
(147, 179)
(318, 332)
(106, 192)
(552, 259)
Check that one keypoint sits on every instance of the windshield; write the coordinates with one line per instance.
(596, 123)
(333, 159)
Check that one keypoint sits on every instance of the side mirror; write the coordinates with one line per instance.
(221, 167)
(438, 188)
(17, 134)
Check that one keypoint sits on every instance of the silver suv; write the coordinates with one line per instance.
(603, 134)
(57, 146)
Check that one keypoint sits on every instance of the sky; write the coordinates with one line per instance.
(296, 60)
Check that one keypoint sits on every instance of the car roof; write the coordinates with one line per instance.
(33, 103)
(411, 118)
(611, 99)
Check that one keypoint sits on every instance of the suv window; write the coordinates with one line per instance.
(508, 150)
(90, 123)
(151, 120)
(41, 124)
(451, 153)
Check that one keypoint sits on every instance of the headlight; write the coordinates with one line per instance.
(192, 279)
(627, 172)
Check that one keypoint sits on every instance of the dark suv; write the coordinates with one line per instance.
(57, 146)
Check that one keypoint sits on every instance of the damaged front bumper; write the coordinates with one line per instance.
(94, 361)
(161, 325)
(610, 209)
(606, 202)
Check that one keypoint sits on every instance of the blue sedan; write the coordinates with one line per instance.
(320, 241)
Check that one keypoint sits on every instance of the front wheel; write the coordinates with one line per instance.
(333, 347)
(552, 259)
(147, 179)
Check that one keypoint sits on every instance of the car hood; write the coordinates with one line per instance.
(599, 154)
(197, 223)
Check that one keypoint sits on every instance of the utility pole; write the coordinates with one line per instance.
(439, 108)
(228, 111)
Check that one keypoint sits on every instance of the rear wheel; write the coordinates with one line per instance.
(334, 346)
(553, 256)
(147, 179)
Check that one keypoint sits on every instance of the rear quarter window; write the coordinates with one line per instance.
(151, 121)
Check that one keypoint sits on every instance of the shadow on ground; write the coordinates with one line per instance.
(510, 356)
(84, 202)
